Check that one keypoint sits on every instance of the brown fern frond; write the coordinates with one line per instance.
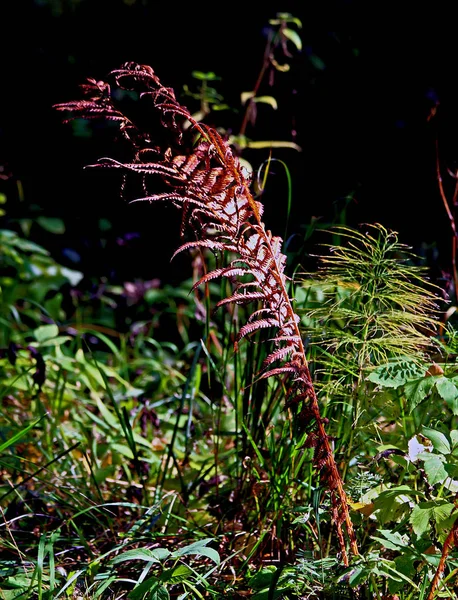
(254, 326)
(278, 355)
(206, 180)
(210, 244)
(288, 368)
(238, 298)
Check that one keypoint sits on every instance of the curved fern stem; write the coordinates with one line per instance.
(210, 187)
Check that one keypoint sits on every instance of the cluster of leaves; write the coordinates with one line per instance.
(137, 467)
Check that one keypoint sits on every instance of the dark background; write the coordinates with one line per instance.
(361, 114)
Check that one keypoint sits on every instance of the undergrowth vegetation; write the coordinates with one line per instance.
(256, 431)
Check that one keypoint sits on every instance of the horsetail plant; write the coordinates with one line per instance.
(204, 178)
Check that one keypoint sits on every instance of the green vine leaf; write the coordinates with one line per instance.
(434, 467)
(449, 392)
(424, 512)
(438, 439)
(417, 391)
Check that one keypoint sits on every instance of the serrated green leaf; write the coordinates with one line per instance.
(293, 37)
(45, 332)
(438, 439)
(417, 391)
(420, 517)
(424, 512)
(447, 390)
(434, 467)
(442, 512)
(444, 524)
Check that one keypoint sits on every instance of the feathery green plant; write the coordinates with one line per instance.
(375, 304)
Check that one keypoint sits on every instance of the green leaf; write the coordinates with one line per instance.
(273, 144)
(107, 415)
(151, 586)
(106, 584)
(395, 539)
(267, 100)
(20, 434)
(447, 390)
(395, 373)
(405, 563)
(210, 76)
(176, 574)
(420, 517)
(417, 391)
(245, 96)
(123, 450)
(52, 224)
(199, 548)
(391, 503)
(293, 37)
(268, 595)
(358, 576)
(45, 333)
(438, 439)
(434, 467)
(386, 543)
(396, 491)
(284, 17)
(262, 578)
(442, 513)
(437, 511)
(57, 341)
(317, 62)
(157, 555)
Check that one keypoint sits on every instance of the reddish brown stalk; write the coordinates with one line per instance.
(451, 218)
(209, 185)
(450, 542)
